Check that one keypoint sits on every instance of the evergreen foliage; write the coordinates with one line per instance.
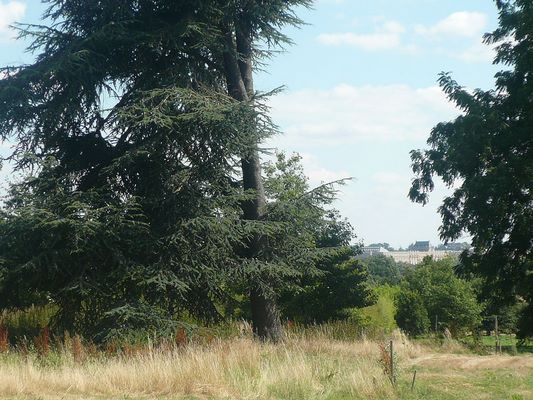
(338, 282)
(137, 128)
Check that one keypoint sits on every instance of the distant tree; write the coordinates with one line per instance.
(385, 245)
(453, 246)
(487, 155)
(442, 293)
(383, 269)
(411, 314)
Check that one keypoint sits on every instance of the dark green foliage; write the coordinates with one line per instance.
(434, 285)
(338, 281)
(105, 267)
(149, 233)
(453, 246)
(411, 315)
(525, 322)
(487, 153)
(131, 141)
(383, 270)
(508, 314)
(341, 285)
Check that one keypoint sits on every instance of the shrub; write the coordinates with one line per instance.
(378, 319)
(412, 315)
(432, 289)
(27, 322)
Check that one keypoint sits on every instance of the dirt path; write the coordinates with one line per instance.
(466, 362)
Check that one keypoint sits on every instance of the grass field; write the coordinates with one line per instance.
(312, 368)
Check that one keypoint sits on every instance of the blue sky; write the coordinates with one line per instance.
(360, 93)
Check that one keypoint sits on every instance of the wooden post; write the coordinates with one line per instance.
(496, 333)
(413, 383)
(436, 324)
(392, 378)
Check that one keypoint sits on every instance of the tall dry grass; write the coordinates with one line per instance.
(240, 368)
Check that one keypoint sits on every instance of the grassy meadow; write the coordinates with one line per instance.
(311, 366)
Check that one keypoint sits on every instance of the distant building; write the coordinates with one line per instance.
(420, 245)
(454, 246)
(415, 253)
(415, 257)
(368, 251)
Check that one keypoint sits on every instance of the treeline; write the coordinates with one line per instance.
(431, 297)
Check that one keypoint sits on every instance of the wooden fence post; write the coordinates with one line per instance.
(392, 377)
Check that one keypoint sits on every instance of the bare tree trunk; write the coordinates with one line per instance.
(239, 75)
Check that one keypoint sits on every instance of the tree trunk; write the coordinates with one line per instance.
(239, 76)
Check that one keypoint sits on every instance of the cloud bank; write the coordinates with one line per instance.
(349, 114)
(386, 36)
(462, 23)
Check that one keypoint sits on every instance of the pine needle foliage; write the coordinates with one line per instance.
(131, 140)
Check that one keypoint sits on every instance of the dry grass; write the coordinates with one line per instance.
(236, 369)
(311, 368)
(469, 362)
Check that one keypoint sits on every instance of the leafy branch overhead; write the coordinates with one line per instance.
(486, 155)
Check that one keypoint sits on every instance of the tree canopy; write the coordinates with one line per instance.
(138, 130)
(432, 290)
(486, 155)
(383, 269)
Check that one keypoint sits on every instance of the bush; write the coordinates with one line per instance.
(432, 289)
(412, 315)
(28, 322)
(378, 319)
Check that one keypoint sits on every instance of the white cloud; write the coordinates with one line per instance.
(393, 27)
(9, 13)
(477, 52)
(318, 174)
(348, 114)
(386, 36)
(371, 41)
(366, 132)
(462, 23)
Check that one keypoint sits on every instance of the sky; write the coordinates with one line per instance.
(360, 92)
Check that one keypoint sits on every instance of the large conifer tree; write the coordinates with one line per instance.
(132, 120)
